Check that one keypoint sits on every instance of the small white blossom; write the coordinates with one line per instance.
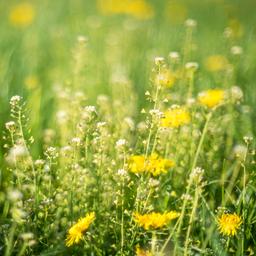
(159, 60)
(236, 50)
(190, 23)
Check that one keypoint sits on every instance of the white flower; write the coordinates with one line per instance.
(14, 195)
(10, 126)
(236, 93)
(192, 66)
(236, 50)
(122, 172)
(190, 23)
(159, 60)
(120, 143)
(15, 100)
(174, 56)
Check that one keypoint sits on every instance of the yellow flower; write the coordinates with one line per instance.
(142, 252)
(22, 15)
(31, 82)
(154, 220)
(216, 63)
(137, 8)
(229, 223)
(165, 78)
(176, 12)
(175, 117)
(75, 233)
(211, 98)
(152, 164)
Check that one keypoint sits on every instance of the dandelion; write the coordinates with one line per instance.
(211, 98)
(142, 252)
(229, 223)
(75, 233)
(22, 15)
(175, 117)
(216, 63)
(155, 220)
(165, 78)
(139, 9)
(152, 164)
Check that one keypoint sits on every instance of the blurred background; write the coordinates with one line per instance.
(86, 45)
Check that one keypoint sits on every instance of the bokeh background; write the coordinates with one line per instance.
(40, 48)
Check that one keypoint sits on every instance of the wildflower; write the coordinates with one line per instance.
(165, 78)
(154, 220)
(176, 12)
(22, 15)
(229, 223)
(236, 50)
(211, 98)
(31, 82)
(175, 117)
(159, 60)
(236, 93)
(15, 100)
(121, 143)
(191, 66)
(174, 56)
(152, 164)
(190, 23)
(10, 126)
(216, 63)
(139, 9)
(75, 233)
(122, 172)
(142, 252)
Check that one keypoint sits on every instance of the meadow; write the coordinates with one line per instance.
(127, 127)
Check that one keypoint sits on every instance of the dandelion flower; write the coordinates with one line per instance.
(229, 223)
(216, 63)
(152, 164)
(139, 9)
(165, 78)
(142, 252)
(154, 220)
(211, 98)
(175, 117)
(22, 15)
(75, 233)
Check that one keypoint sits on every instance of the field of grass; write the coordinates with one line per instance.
(127, 127)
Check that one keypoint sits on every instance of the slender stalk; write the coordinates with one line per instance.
(181, 218)
(191, 219)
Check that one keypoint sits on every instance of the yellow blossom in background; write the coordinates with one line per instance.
(175, 117)
(142, 252)
(22, 15)
(229, 223)
(152, 164)
(165, 78)
(236, 27)
(216, 63)
(139, 9)
(155, 220)
(75, 233)
(211, 98)
(31, 82)
(176, 12)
